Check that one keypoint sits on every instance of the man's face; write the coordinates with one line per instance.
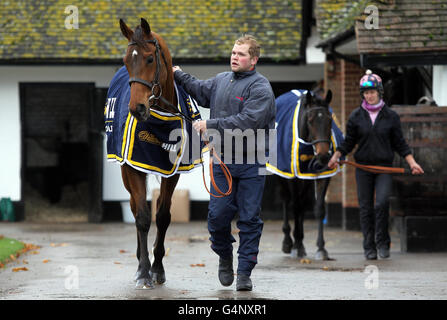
(240, 58)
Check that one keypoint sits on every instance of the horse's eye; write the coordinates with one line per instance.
(150, 59)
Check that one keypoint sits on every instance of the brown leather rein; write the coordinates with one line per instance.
(374, 169)
(225, 170)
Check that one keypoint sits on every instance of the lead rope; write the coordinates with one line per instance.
(374, 169)
(225, 170)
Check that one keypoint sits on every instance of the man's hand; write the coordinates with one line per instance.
(175, 68)
(334, 160)
(199, 126)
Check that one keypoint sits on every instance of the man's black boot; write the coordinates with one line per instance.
(226, 273)
(371, 255)
(243, 283)
(384, 252)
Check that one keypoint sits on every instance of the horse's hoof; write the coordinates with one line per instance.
(294, 253)
(321, 255)
(144, 284)
(302, 253)
(139, 275)
(286, 247)
(159, 277)
(298, 253)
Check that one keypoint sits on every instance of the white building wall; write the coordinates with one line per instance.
(9, 138)
(10, 126)
(440, 85)
(313, 54)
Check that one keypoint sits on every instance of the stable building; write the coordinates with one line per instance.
(404, 41)
(56, 62)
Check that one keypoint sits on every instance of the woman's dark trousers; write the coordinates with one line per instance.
(374, 216)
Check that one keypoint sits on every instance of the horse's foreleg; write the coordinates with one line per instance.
(321, 186)
(143, 223)
(162, 220)
(135, 183)
(133, 208)
(287, 242)
(298, 234)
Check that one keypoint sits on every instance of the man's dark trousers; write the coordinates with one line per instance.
(245, 199)
(374, 217)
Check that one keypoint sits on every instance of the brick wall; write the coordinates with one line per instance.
(350, 99)
(332, 81)
(342, 78)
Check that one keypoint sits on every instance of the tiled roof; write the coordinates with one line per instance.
(336, 16)
(193, 29)
(406, 26)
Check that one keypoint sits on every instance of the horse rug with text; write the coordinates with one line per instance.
(294, 155)
(162, 145)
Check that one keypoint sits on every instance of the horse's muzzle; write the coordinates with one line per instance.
(323, 159)
(319, 163)
(141, 113)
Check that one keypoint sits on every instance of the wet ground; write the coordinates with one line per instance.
(97, 261)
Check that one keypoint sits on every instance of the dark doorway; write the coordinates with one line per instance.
(61, 152)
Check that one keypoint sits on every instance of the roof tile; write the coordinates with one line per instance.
(193, 29)
(406, 26)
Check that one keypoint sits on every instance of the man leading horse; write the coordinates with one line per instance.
(238, 99)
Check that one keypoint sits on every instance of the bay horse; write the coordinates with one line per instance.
(149, 64)
(314, 123)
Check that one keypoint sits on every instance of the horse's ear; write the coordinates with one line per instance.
(125, 30)
(328, 97)
(308, 99)
(146, 27)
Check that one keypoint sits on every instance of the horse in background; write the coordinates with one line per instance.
(304, 177)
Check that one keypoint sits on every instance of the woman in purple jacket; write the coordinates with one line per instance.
(376, 129)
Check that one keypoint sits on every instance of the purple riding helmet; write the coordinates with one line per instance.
(371, 81)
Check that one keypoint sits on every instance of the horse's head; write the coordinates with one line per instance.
(149, 65)
(315, 126)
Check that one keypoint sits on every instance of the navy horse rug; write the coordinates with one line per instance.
(162, 145)
(294, 155)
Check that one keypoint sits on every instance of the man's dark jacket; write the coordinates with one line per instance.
(237, 100)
